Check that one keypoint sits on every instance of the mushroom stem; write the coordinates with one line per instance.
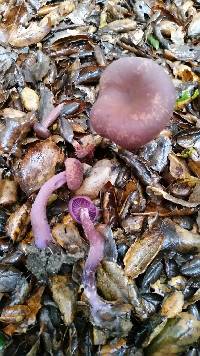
(40, 226)
(96, 248)
(41, 128)
(95, 256)
(73, 176)
(53, 115)
(84, 212)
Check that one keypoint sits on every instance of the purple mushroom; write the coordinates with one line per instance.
(83, 151)
(135, 102)
(85, 212)
(74, 173)
(73, 176)
(41, 128)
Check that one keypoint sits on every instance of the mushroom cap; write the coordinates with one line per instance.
(74, 173)
(135, 102)
(79, 202)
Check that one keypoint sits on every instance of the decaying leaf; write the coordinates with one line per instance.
(183, 52)
(167, 196)
(178, 238)
(195, 195)
(194, 28)
(66, 234)
(195, 298)
(44, 263)
(192, 267)
(38, 165)
(120, 25)
(177, 333)
(115, 286)
(8, 192)
(113, 348)
(156, 152)
(65, 296)
(17, 125)
(34, 33)
(99, 175)
(9, 278)
(14, 314)
(31, 308)
(178, 167)
(142, 252)
(111, 282)
(17, 223)
(109, 205)
(54, 52)
(173, 304)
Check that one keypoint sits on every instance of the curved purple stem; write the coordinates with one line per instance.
(85, 212)
(40, 226)
(96, 248)
(41, 128)
(41, 131)
(96, 252)
(73, 176)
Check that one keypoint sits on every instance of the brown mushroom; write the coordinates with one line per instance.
(135, 102)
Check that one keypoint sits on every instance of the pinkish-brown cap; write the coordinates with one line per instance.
(135, 102)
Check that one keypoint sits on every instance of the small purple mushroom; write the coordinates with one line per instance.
(85, 212)
(74, 173)
(135, 102)
(73, 176)
(41, 128)
(83, 151)
(78, 203)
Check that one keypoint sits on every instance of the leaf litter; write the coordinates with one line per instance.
(54, 53)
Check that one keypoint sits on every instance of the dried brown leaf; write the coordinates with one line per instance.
(160, 192)
(33, 304)
(99, 175)
(178, 167)
(17, 222)
(142, 252)
(67, 235)
(17, 125)
(8, 192)
(179, 239)
(175, 336)
(113, 348)
(21, 36)
(65, 296)
(38, 165)
(172, 304)
(14, 314)
(194, 166)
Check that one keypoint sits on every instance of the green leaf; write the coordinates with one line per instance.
(187, 153)
(184, 96)
(196, 93)
(153, 42)
(2, 342)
